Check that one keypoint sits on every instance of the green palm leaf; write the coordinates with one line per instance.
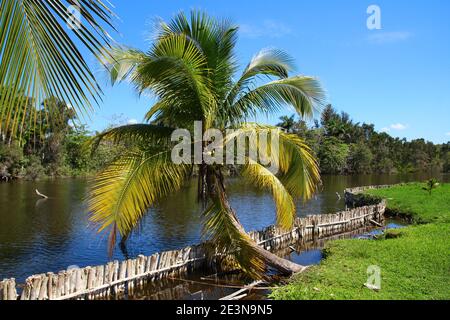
(175, 70)
(137, 133)
(269, 62)
(303, 93)
(40, 60)
(122, 193)
(261, 177)
(298, 169)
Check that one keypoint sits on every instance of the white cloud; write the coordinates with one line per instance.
(269, 28)
(399, 126)
(448, 134)
(389, 37)
(395, 126)
(132, 121)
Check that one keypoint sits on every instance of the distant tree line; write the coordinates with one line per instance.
(55, 148)
(344, 147)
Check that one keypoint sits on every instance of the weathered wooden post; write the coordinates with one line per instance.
(8, 289)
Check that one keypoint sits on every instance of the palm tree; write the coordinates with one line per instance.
(40, 60)
(190, 68)
(287, 123)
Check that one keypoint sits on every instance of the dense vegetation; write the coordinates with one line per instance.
(344, 147)
(341, 146)
(414, 261)
(51, 148)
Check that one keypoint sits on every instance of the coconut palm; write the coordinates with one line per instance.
(40, 59)
(287, 123)
(190, 68)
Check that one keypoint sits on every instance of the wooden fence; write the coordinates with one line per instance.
(355, 197)
(118, 278)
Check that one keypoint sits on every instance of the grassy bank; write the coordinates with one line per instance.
(412, 200)
(414, 265)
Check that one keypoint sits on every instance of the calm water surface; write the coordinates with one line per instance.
(38, 236)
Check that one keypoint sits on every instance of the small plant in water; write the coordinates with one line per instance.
(430, 185)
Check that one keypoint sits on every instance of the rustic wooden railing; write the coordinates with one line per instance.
(118, 278)
(355, 197)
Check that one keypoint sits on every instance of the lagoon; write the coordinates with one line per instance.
(38, 236)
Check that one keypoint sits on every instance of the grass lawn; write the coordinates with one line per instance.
(414, 265)
(412, 200)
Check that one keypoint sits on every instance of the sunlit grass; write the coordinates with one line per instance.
(414, 265)
(413, 200)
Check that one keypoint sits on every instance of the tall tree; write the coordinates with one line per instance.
(190, 68)
(287, 123)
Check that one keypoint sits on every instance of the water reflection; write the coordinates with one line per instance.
(38, 235)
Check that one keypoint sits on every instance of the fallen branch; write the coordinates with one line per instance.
(376, 223)
(240, 293)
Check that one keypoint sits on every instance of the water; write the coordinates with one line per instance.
(38, 236)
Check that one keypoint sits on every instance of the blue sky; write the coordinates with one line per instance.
(397, 78)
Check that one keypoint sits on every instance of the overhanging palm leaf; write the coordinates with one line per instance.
(263, 178)
(298, 174)
(137, 133)
(268, 62)
(303, 93)
(39, 59)
(299, 171)
(122, 193)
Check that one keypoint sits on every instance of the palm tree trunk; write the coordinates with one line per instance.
(282, 265)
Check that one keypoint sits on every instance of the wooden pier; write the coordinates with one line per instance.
(116, 279)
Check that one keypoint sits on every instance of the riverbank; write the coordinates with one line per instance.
(414, 261)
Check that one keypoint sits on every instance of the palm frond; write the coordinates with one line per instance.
(269, 62)
(300, 172)
(122, 194)
(298, 169)
(263, 178)
(135, 134)
(302, 93)
(216, 39)
(39, 59)
(122, 62)
(174, 69)
(156, 110)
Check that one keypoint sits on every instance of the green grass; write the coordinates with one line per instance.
(414, 262)
(419, 204)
